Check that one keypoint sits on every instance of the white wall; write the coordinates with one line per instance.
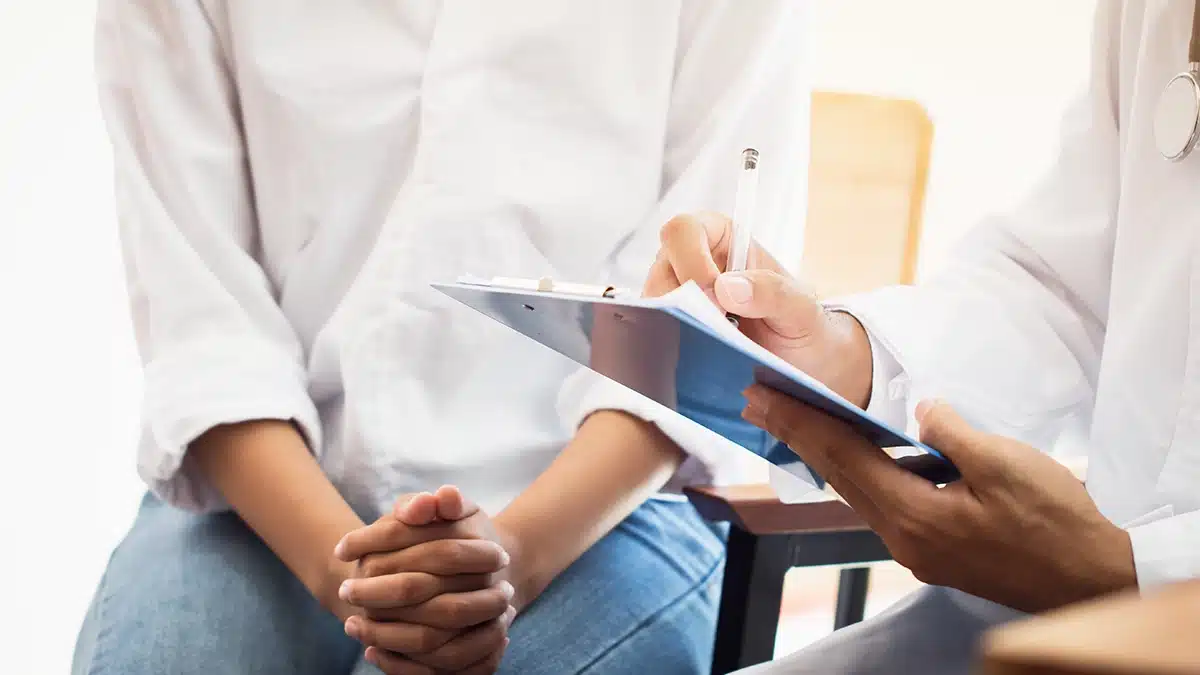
(993, 75)
(68, 371)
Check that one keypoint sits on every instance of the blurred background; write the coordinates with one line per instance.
(994, 77)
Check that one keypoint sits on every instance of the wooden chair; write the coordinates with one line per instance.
(867, 177)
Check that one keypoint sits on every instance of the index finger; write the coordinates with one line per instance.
(418, 509)
(447, 557)
(661, 278)
(390, 534)
(862, 473)
(697, 247)
(453, 505)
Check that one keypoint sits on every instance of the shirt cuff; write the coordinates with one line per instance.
(1163, 548)
(889, 382)
(193, 388)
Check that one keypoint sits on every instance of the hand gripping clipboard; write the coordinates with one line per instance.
(680, 352)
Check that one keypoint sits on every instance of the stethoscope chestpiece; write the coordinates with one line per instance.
(1177, 120)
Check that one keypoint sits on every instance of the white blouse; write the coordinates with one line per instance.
(292, 176)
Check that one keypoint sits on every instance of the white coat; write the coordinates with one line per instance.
(1083, 304)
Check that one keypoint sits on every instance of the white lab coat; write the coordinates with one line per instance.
(1084, 303)
(292, 176)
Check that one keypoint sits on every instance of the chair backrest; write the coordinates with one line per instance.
(867, 175)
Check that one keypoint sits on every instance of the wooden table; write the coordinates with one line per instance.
(1127, 634)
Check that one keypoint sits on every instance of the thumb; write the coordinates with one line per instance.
(418, 509)
(944, 430)
(780, 301)
(452, 505)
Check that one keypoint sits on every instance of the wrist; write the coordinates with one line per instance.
(523, 572)
(327, 584)
(1098, 562)
(851, 357)
(1115, 567)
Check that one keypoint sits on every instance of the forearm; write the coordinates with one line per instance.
(265, 471)
(614, 463)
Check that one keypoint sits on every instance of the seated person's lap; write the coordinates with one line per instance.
(201, 594)
(649, 591)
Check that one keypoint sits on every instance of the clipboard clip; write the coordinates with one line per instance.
(546, 285)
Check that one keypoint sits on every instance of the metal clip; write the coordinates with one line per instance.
(547, 285)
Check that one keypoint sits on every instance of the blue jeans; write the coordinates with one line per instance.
(188, 594)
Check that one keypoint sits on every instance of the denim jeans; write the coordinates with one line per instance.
(188, 594)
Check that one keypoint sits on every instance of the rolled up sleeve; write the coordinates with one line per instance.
(215, 345)
(740, 82)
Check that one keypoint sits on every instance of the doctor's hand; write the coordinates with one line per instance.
(432, 585)
(775, 309)
(1018, 529)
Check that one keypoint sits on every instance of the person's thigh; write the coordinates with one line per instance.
(186, 593)
(643, 599)
(930, 632)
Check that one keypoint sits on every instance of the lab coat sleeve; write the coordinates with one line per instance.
(215, 345)
(740, 81)
(1010, 330)
(1160, 552)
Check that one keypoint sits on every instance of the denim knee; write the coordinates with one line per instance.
(186, 593)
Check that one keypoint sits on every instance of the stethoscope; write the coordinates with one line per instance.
(1177, 120)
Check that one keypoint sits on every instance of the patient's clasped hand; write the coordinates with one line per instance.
(432, 584)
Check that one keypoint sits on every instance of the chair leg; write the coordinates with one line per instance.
(751, 593)
(852, 596)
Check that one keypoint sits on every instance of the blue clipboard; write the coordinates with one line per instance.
(670, 357)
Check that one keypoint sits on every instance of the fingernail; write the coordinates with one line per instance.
(344, 590)
(736, 288)
(340, 549)
(505, 559)
(508, 590)
(507, 641)
(352, 626)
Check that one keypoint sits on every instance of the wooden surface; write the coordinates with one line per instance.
(1158, 634)
(868, 168)
(755, 509)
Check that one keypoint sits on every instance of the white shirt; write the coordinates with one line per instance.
(1083, 304)
(291, 177)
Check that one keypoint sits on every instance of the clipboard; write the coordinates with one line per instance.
(688, 363)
